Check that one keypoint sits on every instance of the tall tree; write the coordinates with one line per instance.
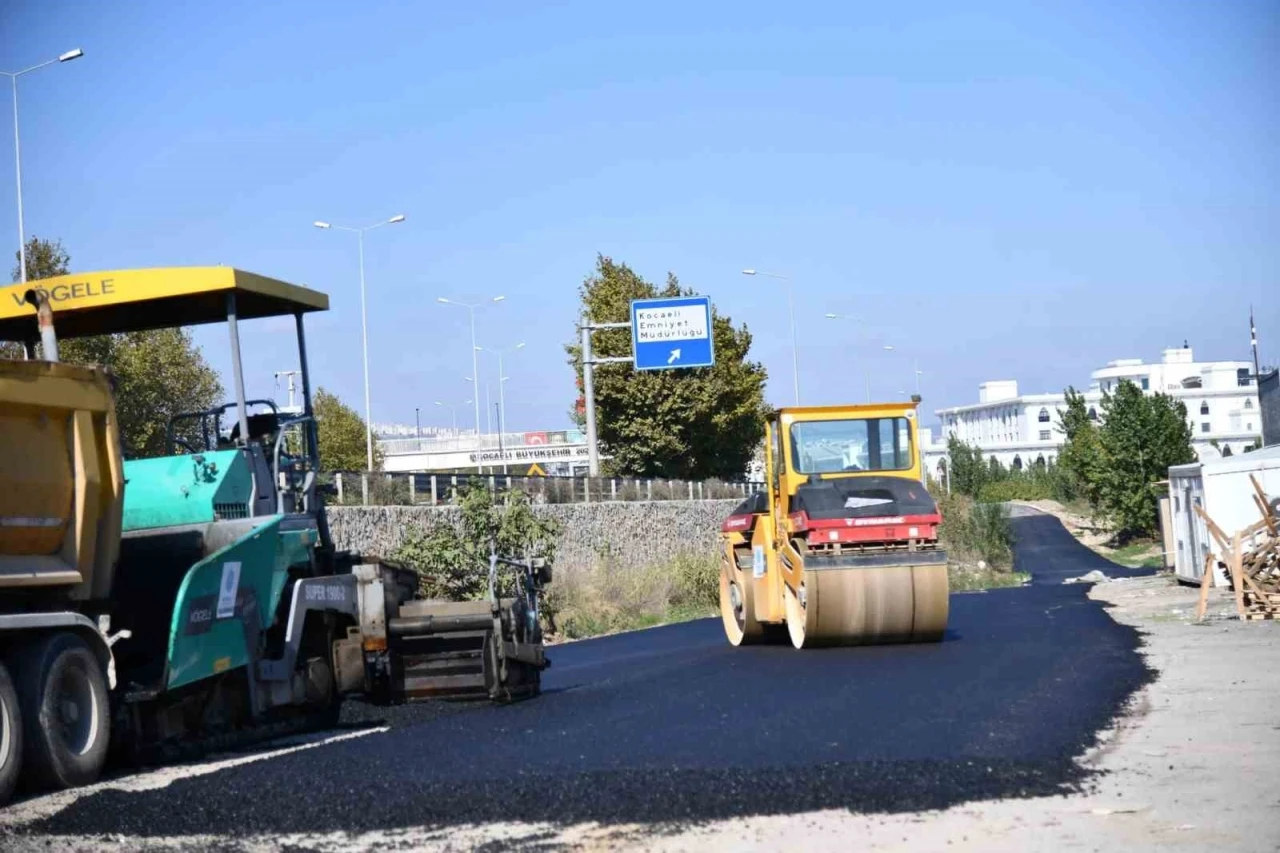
(158, 373)
(1081, 456)
(341, 435)
(968, 471)
(685, 424)
(1140, 437)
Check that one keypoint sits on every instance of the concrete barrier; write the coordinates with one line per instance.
(627, 533)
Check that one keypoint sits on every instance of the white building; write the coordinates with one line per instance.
(1021, 430)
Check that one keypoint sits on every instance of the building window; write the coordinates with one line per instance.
(1040, 462)
(1242, 377)
(1043, 417)
(1146, 384)
(1017, 463)
(1093, 414)
(1249, 426)
(1204, 427)
(1177, 505)
(1204, 407)
(1044, 435)
(1248, 402)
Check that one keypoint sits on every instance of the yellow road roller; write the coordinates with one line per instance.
(841, 547)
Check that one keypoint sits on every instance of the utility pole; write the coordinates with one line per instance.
(417, 422)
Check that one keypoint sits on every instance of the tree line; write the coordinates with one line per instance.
(1111, 463)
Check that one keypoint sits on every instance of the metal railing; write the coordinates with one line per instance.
(383, 489)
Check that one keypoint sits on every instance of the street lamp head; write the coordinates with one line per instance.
(443, 300)
(438, 403)
(748, 272)
(320, 224)
(70, 55)
(466, 402)
(399, 217)
(520, 345)
(833, 316)
(479, 349)
(888, 347)
(499, 298)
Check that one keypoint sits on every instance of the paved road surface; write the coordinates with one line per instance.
(673, 725)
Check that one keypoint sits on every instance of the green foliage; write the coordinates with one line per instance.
(454, 562)
(974, 531)
(1081, 456)
(158, 373)
(969, 472)
(678, 424)
(1024, 488)
(45, 259)
(341, 435)
(1140, 438)
(1115, 464)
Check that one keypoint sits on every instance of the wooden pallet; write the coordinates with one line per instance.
(1251, 559)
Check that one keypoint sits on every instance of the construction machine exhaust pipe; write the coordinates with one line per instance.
(44, 319)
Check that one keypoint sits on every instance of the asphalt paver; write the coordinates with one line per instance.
(672, 725)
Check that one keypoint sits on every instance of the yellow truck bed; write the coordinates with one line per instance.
(61, 478)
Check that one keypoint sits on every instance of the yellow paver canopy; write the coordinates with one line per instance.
(99, 303)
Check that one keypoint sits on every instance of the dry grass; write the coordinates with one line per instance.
(607, 598)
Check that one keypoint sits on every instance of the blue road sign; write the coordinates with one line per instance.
(671, 333)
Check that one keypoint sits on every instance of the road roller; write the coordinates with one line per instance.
(841, 546)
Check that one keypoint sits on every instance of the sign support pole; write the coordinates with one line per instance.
(589, 399)
(589, 387)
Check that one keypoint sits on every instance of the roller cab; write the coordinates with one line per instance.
(841, 547)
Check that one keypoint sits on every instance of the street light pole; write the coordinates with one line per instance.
(17, 151)
(502, 398)
(417, 422)
(475, 365)
(791, 309)
(364, 324)
(866, 369)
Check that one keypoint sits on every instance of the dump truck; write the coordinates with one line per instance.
(841, 547)
(152, 607)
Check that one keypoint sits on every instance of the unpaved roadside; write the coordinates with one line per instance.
(1194, 766)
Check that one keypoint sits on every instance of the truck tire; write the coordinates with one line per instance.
(66, 718)
(10, 736)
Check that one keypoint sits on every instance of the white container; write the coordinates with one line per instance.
(1222, 489)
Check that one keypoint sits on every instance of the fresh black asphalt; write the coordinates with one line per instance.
(672, 725)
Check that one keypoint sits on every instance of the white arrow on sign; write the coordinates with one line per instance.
(675, 356)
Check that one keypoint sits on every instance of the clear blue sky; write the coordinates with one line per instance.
(1003, 190)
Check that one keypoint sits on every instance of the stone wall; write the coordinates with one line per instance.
(630, 533)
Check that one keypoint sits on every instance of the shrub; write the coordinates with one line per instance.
(1020, 489)
(454, 562)
(975, 531)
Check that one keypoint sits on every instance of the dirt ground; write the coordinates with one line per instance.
(1195, 765)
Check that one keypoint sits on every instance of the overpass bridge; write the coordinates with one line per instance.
(556, 452)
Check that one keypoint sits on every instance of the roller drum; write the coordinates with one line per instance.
(737, 602)
(868, 605)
